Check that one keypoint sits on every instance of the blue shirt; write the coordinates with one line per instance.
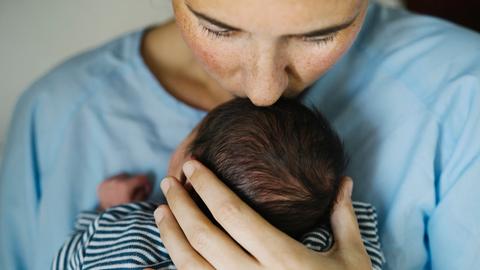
(405, 99)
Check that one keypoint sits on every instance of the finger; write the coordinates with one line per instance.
(206, 238)
(180, 154)
(344, 221)
(246, 226)
(180, 250)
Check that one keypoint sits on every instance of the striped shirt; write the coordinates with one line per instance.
(126, 237)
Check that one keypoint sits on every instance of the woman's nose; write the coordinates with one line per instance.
(266, 75)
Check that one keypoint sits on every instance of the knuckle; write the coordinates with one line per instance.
(228, 212)
(200, 238)
(357, 257)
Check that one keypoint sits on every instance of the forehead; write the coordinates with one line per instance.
(279, 16)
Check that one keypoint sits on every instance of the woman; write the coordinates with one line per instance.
(405, 98)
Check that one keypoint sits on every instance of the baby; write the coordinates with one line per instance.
(284, 160)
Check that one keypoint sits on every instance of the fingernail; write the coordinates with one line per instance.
(158, 214)
(188, 169)
(349, 188)
(165, 185)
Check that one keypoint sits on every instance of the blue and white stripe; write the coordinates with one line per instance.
(126, 237)
(320, 239)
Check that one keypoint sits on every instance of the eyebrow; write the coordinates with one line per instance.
(315, 33)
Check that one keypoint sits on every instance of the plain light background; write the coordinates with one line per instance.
(36, 35)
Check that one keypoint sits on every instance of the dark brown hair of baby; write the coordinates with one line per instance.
(284, 161)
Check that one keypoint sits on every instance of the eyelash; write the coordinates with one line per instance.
(216, 34)
(225, 34)
(321, 41)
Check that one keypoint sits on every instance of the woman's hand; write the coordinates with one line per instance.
(249, 242)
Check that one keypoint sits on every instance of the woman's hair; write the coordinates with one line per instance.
(284, 160)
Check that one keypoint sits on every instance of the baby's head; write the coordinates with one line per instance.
(284, 160)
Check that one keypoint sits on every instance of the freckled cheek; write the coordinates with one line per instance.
(313, 64)
(219, 59)
(215, 58)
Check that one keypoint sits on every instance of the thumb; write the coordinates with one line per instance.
(343, 220)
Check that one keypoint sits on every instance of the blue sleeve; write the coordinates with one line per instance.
(454, 226)
(33, 206)
(35, 126)
(19, 188)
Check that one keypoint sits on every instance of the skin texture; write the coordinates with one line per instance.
(266, 55)
(122, 189)
(193, 242)
(180, 156)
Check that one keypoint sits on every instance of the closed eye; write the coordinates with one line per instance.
(319, 40)
(217, 29)
(216, 33)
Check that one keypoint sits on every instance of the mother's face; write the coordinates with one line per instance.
(263, 49)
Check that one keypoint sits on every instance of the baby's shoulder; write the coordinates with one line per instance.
(129, 230)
